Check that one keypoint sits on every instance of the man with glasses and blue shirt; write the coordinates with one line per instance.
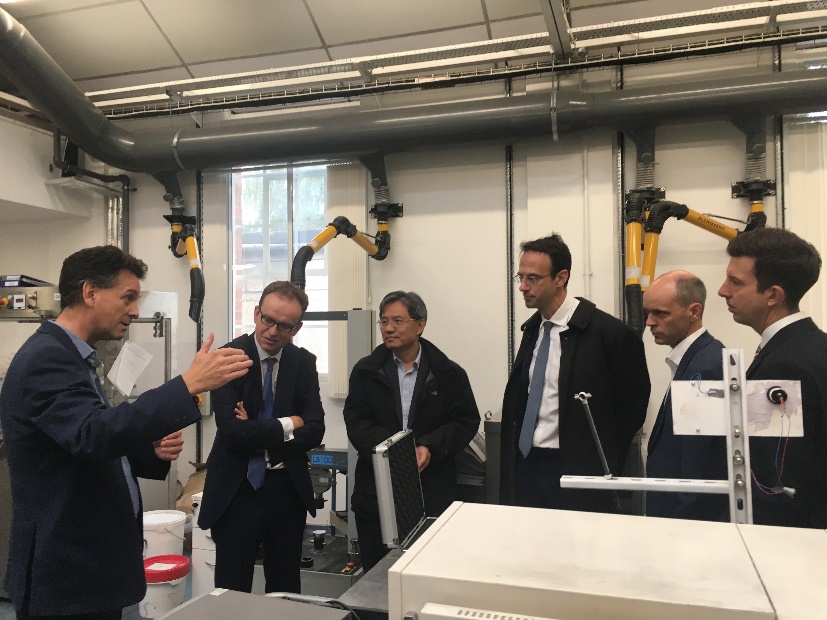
(258, 490)
(568, 346)
(406, 382)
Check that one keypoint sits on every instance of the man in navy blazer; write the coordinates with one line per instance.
(77, 537)
(258, 490)
(674, 307)
(769, 271)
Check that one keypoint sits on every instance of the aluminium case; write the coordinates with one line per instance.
(398, 490)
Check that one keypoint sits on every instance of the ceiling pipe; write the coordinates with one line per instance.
(232, 143)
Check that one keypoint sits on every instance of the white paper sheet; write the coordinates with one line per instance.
(128, 366)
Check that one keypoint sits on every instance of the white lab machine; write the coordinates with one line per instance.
(567, 565)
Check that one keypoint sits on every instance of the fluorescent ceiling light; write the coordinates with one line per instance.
(542, 50)
(669, 33)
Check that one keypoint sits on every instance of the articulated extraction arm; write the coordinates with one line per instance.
(342, 226)
(662, 210)
(383, 210)
(183, 240)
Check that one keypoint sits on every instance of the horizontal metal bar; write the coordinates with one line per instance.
(669, 485)
(337, 315)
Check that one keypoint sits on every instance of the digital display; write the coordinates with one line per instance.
(321, 459)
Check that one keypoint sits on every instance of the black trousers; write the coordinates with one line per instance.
(538, 479)
(272, 517)
(371, 547)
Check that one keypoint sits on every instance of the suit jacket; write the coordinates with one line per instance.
(297, 393)
(684, 456)
(604, 357)
(76, 546)
(798, 351)
(444, 417)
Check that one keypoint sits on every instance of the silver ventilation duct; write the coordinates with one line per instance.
(234, 143)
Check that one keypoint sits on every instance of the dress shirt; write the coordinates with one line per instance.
(673, 360)
(407, 383)
(776, 327)
(547, 431)
(86, 351)
(286, 423)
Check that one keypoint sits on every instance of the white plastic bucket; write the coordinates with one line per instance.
(164, 532)
(165, 584)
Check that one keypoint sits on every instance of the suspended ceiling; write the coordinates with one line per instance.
(122, 44)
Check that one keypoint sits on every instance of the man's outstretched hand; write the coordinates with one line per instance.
(212, 369)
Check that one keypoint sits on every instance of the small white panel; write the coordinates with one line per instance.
(698, 408)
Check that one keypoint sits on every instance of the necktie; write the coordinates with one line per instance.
(535, 392)
(131, 484)
(757, 350)
(257, 465)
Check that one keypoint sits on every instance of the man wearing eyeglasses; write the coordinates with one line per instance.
(568, 346)
(258, 490)
(406, 383)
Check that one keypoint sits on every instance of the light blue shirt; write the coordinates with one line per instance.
(85, 350)
(407, 383)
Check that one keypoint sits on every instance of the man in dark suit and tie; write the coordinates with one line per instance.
(769, 271)
(406, 383)
(568, 346)
(77, 537)
(674, 307)
(258, 490)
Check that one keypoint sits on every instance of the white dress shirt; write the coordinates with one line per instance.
(780, 324)
(547, 431)
(286, 423)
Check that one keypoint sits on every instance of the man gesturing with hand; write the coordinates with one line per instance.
(73, 458)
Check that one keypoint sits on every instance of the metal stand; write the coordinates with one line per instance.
(738, 484)
(737, 439)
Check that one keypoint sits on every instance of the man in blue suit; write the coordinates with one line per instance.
(77, 537)
(674, 306)
(258, 490)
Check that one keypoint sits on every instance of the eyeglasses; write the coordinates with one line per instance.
(396, 322)
(530, 278)
(285, 328)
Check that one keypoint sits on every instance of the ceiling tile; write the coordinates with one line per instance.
(103, 40)
(342, 22)
(518, 27)
(499, 9)
(607, 12)
(209, 30)
(405, 44)
(259, 63)
(20, 10)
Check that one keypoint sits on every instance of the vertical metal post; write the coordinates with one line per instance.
(360, 329)
(740, 485)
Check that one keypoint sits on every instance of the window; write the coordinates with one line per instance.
(274, 213)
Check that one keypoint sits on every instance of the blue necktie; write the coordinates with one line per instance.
(535, 392)
(134, 492)
(257, 465)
